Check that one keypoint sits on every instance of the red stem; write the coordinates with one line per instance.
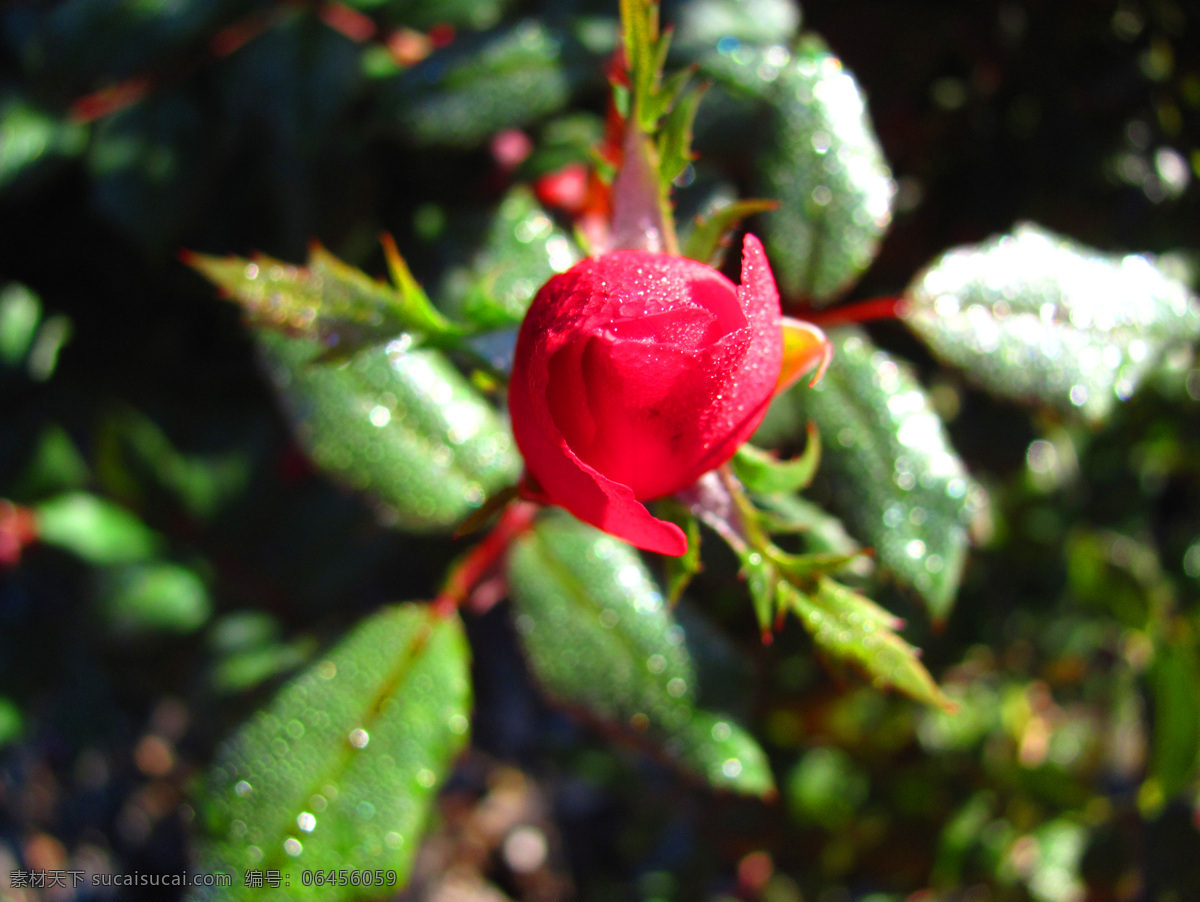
(862, 312)
(475, 564)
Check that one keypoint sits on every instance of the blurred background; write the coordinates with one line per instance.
(189, 557)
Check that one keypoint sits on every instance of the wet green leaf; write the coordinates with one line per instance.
(826, 788)
(507, 78)
(1036, 317)
(820, 160)
(97, 530)
(423, 15)
(852, 628)
(341, 768)
(888, 464)
(705, 23)
(600, 638)
(327, 300)
(403, 425)
(55, 466)
(523, 248)
(155, 596)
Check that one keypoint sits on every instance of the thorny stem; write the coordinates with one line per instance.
(476, 564)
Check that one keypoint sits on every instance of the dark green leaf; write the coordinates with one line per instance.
(151, 597)
(97, 530)
(1175, 686)
(340, 770)
(888, 465)
(31, 138)
(821, 161)
(480, 84)
(11, 722)
(765, 474)
(853, 628)
(1037, 317)
(401, 424)
(600, 637)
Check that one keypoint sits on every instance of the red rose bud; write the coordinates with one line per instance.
(635, 374)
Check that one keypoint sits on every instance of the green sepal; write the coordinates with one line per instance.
(704, 242)
(765, 474)
(681, 570)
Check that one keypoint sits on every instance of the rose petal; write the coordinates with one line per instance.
(589, 495)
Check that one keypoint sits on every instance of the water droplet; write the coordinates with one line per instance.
(426, 777)
(359, 738)
(457, 724)
(609, 618)
(295, 729)
(365, 810)
(393, 840)
(242, 788)
(379, 416)
(656, 663)
(306, 821)
(731, 768)
(254, 854)
(721, 731)
(292, 846)
(676, 687)
(915, 548)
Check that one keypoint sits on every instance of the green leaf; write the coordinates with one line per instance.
(151, 597)
(507, 78)
(401, 424)
(1034, 316)
(30, 137)
(523, 248)
(888, 465)
(704, 23)
(20, 314)
(854, 629)
(327, 300)
(96, 530)
(1175, 688)
(820, 160)
(12, 724)
(340, 770)
(765, 474)
(600, 638)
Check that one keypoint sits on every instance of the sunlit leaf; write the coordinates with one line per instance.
(853, 628)
(341, 768)
(95, 529)
(821, 161)
(888, 465)
(600, 638)
(705, 23)
(1036, 317)
(466, 92)
(401, 424)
